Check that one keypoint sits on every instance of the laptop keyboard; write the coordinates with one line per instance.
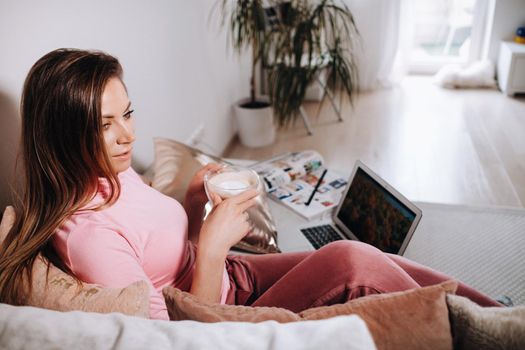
(321, 235)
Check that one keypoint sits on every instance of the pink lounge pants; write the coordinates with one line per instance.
(336, 273)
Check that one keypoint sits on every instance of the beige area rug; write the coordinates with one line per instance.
(481, 246)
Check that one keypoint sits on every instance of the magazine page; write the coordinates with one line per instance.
(286, 168)
(295, 194)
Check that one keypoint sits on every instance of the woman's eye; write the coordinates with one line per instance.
(106, 126)
(128, 114)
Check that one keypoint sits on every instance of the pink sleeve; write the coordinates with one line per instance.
(104, 256)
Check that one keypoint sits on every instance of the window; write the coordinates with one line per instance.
(446, 31)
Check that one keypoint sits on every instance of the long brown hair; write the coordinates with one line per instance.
(63, 156)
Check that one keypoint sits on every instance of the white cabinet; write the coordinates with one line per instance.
(511, 68)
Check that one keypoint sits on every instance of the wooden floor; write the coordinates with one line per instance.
(432, 144)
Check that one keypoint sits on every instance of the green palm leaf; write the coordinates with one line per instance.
(303, 38)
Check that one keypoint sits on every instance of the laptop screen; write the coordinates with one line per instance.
(374, 215)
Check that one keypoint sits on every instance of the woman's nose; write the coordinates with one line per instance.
(127, 135)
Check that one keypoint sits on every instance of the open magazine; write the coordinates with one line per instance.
(291, 178)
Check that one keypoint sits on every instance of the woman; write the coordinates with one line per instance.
(89, 213)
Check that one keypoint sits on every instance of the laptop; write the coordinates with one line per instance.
(370, 211)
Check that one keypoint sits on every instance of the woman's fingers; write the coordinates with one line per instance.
(213, 166)
(247, 204)
(209, 167)
(215, 199)
(244, 196)
(242, 201)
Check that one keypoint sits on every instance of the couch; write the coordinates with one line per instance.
(25, 327)
(61, 314)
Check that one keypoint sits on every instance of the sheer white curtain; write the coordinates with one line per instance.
(382, 53)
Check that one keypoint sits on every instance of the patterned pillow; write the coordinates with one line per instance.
(57, 290)
(413, 319)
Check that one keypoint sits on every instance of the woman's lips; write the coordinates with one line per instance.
(124, 156)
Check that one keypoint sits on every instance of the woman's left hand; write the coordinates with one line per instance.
(196, 194)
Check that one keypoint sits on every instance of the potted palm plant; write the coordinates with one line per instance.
(293, 41)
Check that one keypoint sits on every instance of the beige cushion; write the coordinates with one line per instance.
(174, 166)
(60, 292)
(475, 327)
(413, 319)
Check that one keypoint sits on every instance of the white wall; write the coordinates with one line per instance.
(508, 16)
(177, 67)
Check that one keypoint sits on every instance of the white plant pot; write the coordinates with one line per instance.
(256, 125)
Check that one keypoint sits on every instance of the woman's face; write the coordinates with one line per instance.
(118, 125)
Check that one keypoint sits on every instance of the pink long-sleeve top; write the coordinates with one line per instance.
(143, 236)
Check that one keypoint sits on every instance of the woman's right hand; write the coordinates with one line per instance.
(227, 223)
